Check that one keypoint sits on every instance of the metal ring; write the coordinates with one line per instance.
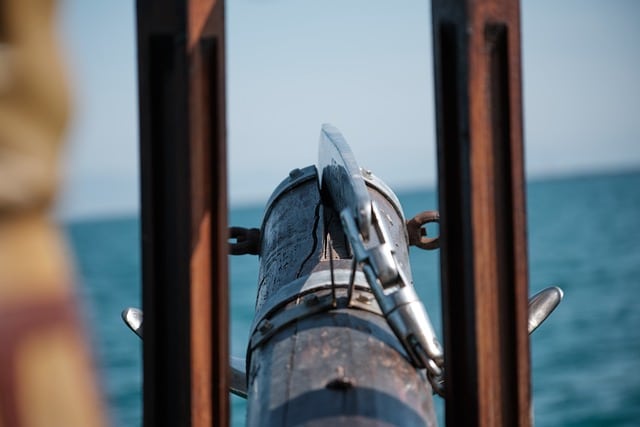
(417, 234)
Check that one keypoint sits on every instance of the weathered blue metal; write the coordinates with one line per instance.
(322, 351)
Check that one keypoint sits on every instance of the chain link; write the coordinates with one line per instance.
(418, 233)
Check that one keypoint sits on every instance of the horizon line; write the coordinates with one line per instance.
(259, 200)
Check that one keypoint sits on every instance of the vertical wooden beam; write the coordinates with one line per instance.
(482, 204)
(184, 211)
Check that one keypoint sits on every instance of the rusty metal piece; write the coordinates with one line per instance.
(247, 241)
(482, 202)
(417, 233)
(181, 72)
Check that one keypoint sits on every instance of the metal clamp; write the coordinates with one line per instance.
(397, 298)
(343, 183)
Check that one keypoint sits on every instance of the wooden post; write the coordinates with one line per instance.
(482, 206)
(184, 211)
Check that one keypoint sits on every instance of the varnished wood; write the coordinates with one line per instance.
(482, 205)
(184, 211)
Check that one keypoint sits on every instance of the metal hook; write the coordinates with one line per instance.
(417, 233)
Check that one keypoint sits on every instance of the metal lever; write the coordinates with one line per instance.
(133, 319)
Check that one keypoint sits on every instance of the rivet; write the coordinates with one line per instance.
(265, 326)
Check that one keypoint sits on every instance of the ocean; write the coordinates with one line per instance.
(583, 236)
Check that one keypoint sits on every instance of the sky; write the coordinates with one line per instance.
(364, 66)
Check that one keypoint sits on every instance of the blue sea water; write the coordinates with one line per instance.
(583, 236)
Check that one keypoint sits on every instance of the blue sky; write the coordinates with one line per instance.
(364, 66)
